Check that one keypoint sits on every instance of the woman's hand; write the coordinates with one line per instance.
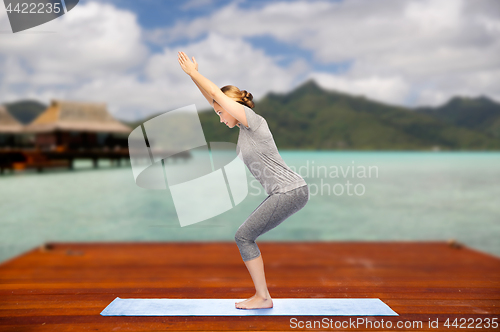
(186, 64)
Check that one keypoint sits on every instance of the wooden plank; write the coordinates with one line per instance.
(65, 286)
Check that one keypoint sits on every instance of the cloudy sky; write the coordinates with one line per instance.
(124, 52)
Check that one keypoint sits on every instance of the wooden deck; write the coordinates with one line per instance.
(65, 286)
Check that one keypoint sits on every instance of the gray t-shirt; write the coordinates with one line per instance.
(257, 149)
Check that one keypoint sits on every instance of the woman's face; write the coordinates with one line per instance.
(224, 116)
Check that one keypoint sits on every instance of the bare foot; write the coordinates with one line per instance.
(244, 301)
(255, 302)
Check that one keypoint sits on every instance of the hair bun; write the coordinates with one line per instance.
(241, 96)
(247, 95)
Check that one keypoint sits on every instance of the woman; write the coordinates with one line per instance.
(287, 191)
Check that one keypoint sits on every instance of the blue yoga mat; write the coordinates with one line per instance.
(225, 307)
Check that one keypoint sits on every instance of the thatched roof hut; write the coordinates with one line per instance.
(76, 116)
(8, 124)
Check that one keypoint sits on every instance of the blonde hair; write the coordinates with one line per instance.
(241, 96)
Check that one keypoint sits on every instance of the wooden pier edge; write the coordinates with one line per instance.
(62, 286)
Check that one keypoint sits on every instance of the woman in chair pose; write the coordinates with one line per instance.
(287, 191)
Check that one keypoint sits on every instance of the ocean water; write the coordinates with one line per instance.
(354, 196)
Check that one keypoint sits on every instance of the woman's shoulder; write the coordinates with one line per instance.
(254, 120)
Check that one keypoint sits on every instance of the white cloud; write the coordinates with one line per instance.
(222, 59)
(96, 39)
(227, 60)
(420, 51)
(374, 87)
(96, 43)
(421, 43)
(96, 54)
(12, 71)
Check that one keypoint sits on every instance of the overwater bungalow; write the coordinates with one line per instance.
(11, 130)
(69, 125)
(65, 131)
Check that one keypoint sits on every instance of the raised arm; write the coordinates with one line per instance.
(231, 106)
(205, 94)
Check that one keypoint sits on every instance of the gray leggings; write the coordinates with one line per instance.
(269, 214)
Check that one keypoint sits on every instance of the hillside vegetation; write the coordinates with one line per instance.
(312, 118)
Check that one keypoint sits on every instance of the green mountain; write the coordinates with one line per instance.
(480, 114)
(25, 111)
(312, 118)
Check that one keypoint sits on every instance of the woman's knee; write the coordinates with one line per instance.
(241, 236)
(304, 197)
